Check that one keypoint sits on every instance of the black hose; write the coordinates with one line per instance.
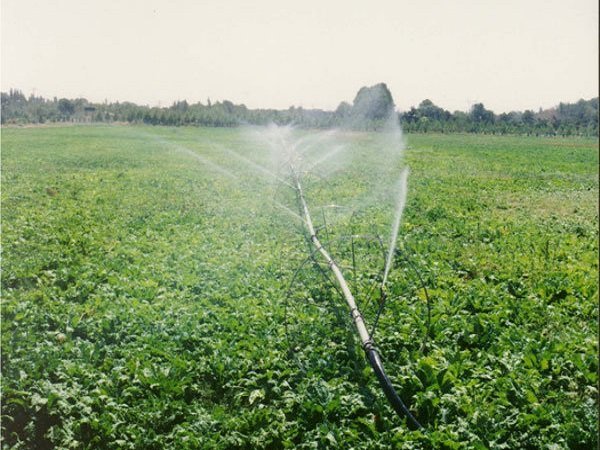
(388, 388)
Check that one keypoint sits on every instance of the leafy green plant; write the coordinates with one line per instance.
(142, 298)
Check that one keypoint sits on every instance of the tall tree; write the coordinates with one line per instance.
(373, 103)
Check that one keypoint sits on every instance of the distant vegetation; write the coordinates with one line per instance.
(368, 111)
(566, 119)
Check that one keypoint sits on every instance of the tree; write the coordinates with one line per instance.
(428, 109)
(528, 118)
(410, 116)
(344, 109)
(480, 115)
(373, 103)
(228, 106)
(66, 108)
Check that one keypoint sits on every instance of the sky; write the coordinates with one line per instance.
(509, 55)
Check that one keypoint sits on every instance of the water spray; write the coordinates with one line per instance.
(295, 157)
(402, 185)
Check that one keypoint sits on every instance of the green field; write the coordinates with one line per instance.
(145, 296)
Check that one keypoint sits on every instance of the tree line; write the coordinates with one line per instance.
(370, 110)
(580, 118)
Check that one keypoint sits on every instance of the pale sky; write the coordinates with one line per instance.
(510, 55)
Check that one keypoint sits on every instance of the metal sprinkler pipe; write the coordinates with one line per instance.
(367, 343)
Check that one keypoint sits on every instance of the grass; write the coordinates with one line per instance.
(144, 297)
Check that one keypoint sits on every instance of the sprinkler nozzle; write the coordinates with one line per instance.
(382, 295)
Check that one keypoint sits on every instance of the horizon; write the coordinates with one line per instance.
(510, 56)
(214, 101)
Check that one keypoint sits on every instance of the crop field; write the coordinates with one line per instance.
(154, 295)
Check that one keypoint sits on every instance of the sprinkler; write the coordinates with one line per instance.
(367, 342)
